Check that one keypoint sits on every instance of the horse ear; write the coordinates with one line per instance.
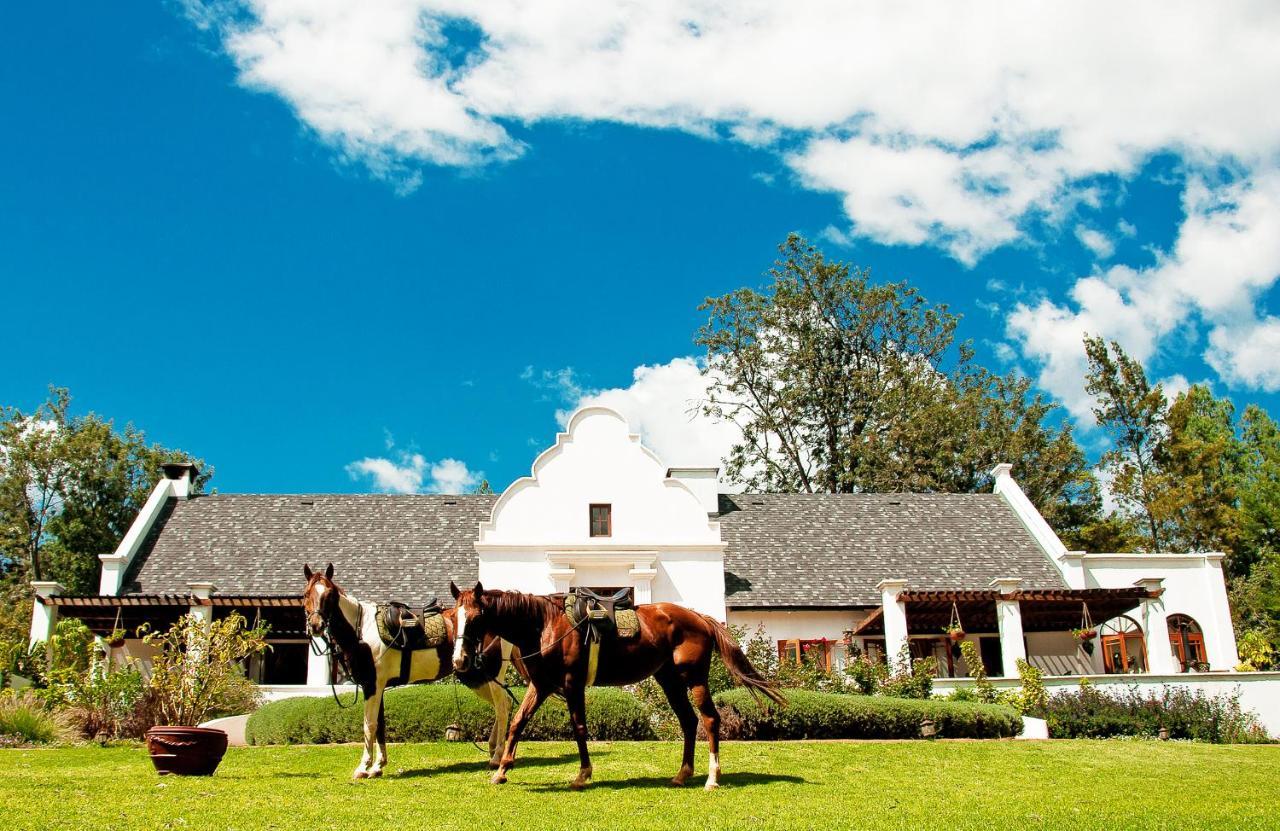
(478, 591)
(453, 589)
(306, 570)
(328, 572)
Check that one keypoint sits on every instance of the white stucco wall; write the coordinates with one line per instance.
(662, 542)
(805, 624)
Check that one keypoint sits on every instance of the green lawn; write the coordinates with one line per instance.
(945, 785)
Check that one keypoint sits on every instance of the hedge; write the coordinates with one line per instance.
(421, 713)
(1092, 713)
(818, 715)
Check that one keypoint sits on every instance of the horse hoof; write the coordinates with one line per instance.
(575, 785)
(499, 778)
(375, 774)
(711, 786)
(360, 774)
(677, 782)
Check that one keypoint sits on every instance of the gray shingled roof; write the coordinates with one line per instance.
(782, 549)
(405, 548)
(832, 549)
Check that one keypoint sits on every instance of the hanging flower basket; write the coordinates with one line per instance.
(116, 639)
(955, 633)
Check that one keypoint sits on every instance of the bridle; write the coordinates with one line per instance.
(331, 650)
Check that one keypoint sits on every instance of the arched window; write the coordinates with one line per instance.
(1187, 642)
(1123, 647)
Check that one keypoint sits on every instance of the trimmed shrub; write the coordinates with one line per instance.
(421, 713)
(816, 715)
(1091, 713)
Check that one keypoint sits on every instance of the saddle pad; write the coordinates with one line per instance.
(627, 622)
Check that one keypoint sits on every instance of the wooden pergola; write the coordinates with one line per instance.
(105, 613)
(1043, 610)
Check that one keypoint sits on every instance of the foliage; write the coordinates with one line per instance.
(911, 679)
(1256, 652)
(422, 712)
(815, 715)
(1089, 712)
(198, 671)
(105, 702)
(983, 689)
(70, 486)
(1032, 698)
(24, 719)
(839, 385)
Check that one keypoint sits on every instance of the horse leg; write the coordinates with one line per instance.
(575, 698)
(711, 721)
(678, 697)
(501, 702)
(533, 698)
(382, 737)
(371, 705)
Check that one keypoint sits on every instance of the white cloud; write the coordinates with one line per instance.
(1226, 256)
(943, 124)
(561, 385)
(1095, 241)
(662, 405)
(412, 473)
(402, 476)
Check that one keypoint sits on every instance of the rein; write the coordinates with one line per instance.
(344, 662)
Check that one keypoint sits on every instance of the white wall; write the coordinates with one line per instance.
(805, 624)
(662, 542)
(1193, 585)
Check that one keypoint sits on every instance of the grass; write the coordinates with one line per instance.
(785, 785)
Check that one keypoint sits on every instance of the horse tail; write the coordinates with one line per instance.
(740, 669)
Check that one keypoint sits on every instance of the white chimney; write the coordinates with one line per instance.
(182, 478)
(703, 481)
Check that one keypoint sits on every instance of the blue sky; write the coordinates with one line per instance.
(288, 262)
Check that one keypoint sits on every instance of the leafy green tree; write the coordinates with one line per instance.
(1258, 484)
(1133, 413)
(839, 384)
(70, 486)
(1201, 464)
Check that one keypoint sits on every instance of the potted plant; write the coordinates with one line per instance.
(1084, 636)
(116, 639)
(198, 673)
(955, 632)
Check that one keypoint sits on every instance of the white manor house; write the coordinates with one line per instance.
(818, 574)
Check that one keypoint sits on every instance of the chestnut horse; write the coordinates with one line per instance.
(674, 646)
(351, 630)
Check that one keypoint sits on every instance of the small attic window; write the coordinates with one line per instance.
(601, 520)
(451, 502)
(306, 502)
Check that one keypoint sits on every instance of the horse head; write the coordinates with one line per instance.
(319, 599)
(474, 609)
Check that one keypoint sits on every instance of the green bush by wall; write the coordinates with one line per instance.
(421, 713)
(818, 715)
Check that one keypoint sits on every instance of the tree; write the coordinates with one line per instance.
(1201, 465)
(1133, 413)
(841, 385)
(69, 488)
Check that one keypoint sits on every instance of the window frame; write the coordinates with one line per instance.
(608, 519)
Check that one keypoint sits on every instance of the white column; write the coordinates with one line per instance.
(642, 575)
(44, 616)
(1009, 619)
(562, 576)
(894, 613)
(318, 664)
(1155, 630)
(200, 606)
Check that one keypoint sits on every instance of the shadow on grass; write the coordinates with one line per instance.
(727, 780)
(482, 763)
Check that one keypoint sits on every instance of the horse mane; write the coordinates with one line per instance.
(521, 605)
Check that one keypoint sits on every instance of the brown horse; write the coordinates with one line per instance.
(674, 646)
(351, 630)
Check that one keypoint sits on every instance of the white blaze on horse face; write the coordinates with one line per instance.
(457, 641)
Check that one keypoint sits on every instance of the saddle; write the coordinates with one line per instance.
(612, 615)
(402, 628)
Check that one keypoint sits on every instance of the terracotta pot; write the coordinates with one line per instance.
(956, 635)
(186, 751)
